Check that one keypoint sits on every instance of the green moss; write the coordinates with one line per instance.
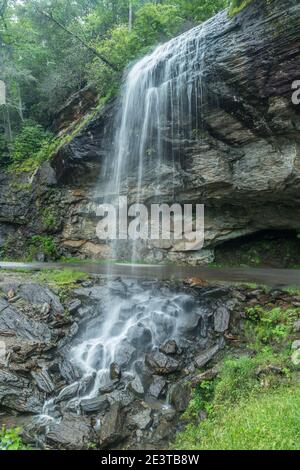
(49, 218)
(63, 277)
(49, 149)
(41, 244)
(238, 5)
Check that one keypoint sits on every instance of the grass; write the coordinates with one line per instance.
(267, 422)
(254, 402)
(62, 278)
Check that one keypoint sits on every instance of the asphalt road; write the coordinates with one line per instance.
(266, 276)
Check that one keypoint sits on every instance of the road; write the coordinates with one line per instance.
(266, 276)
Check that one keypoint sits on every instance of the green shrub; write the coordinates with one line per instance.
(269, 326)
(31, 139)
(10, 439)
(41, 244)
(49, 218)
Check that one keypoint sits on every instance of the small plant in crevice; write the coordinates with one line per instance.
(41, 245)
(10, 439)
(49, 218)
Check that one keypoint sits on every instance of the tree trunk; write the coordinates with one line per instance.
(130, 21)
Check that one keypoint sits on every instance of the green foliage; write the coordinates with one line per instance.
(10, 439)
(238, 5)
(201, 400)
(62, 278)
(152, 24)
(41, 244)
(49, 218)
(268, 421)
(267, 326)
(29, 142)
(253, 395)
(196, 10)
(43, 63)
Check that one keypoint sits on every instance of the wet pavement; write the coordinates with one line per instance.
(266, 276)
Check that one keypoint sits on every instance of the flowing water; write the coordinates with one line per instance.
(160, 106)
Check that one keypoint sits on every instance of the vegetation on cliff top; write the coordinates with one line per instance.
(51, 49)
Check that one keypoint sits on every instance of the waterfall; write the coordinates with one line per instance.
(160, 106)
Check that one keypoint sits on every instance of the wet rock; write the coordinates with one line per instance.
(207, 375)
(160, 363)
(140, 337)
(142, 420)
(45, 309)
(73, 306)
(40, 295)
(73, 432)
(86, 384)
(169, 347)
(136, 387)
(68, 392)
(296, 344)
(68, 371)
(158, 387)
(43, 381)
(221, 319)
(112, 426)
(125, 354)
(115, 371)
(297, 326)
(91, 405)
(270, 369)
(206, 356)
(16, 394)
(164, 426)
(180, 396)
(123, 397)
(14, 321)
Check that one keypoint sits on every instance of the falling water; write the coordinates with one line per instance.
(160, 107)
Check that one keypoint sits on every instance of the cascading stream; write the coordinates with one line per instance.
(160, 105)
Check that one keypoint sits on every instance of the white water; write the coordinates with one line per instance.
(161, 106)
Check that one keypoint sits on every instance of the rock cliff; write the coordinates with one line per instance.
(243, 163)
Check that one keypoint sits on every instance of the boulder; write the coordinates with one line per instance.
(112, 426)
(72, 433)
(161, 364)
(91, 405)
(206, 356)
(180, 395)
(43, 381)
(169, 347)
(158, 387)
(141, 420)
(11, 320)
(115, 371)
(136, 387)
(17, 394)
(221, 319)
(40, 295)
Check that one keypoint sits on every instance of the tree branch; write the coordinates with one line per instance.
(96, 53)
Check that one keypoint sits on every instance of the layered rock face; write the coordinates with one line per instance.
(243, 162)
